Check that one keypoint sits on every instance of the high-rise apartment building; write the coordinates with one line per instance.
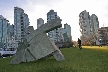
(21, 24)
(40, 21)
(51, 15)
(84, 22)
(61, 36)
(102, 35)
(88, 25)
(4, 30)
(67, 30)
(94, 23)
(54, 35)
(11, 30)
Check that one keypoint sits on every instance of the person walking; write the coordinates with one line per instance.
(79, 43)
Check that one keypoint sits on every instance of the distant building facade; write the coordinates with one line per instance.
(21, 24)
(40, 21)
(59, 36)
(94, 23)
(102, 36)
(66, 35)
(51, 15)
(30, 29)
(84, 22)
(89, 25)
(67, 30)
(54, 35)
(4, 31)
(11, 30)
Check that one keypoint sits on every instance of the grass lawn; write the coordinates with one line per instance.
(89, 59)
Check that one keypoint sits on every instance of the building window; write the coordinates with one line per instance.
(52, 17)
(55, 16)
(82, 13)
(83, 18)
(97, 19)
(21, 26)
(22, 32)
(84, 29)
(89, 17)
(47, 18)
(22, 35)
(56, 32)
(21, 20)
(21, 23)
(83, 21)
(22, 29)
(54, 40)
(107, 30)
(21, 17)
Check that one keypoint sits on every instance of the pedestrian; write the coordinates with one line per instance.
(79, 43)
(1, 56)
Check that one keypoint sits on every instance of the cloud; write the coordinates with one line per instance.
(68, 10)
(7, 9)
(44, 2)
(8, 14)
(39, 8)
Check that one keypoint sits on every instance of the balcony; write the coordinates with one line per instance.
(84, 25)
(22, 24)
(22, 35)
(22, 29)
(21, 20)
(21, 17)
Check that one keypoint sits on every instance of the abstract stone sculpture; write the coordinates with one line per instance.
(38, 46)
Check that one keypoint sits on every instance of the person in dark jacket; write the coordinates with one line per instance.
(79, 43)
(1, 56)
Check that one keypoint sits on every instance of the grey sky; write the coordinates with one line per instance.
(68, 10)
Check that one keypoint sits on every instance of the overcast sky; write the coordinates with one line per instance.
(67, 10)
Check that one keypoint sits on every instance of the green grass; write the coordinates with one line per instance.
(86, 60)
